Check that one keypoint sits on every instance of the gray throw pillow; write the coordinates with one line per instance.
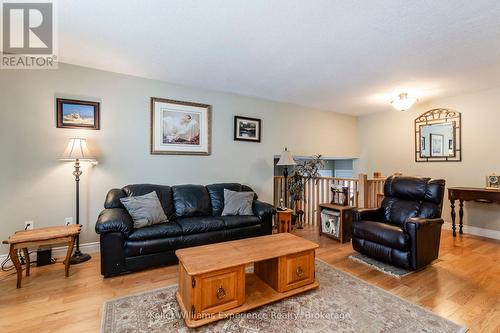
(145, 210)
(237, 203)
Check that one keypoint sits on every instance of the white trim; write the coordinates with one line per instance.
(60, 251)
(85, 248)
(476, 231)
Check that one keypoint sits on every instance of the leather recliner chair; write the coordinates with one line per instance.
(405, 231)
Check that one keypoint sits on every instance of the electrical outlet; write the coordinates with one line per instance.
(68, 221)
(29, 225)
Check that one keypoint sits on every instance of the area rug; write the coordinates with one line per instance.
(380, 266)
(342, 303)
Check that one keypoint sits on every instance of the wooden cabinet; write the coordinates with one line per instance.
(220, 290)
(287, 272)
(344, 222)
(297, 270)
(213, 292)
(213, 283)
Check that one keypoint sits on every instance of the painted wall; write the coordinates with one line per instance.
(387, 145)
(36, 186)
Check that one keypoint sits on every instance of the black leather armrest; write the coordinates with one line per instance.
(425, 236)
(261, 209)
(265, 213)
(114, 220)
(418, 223)
(367, 214)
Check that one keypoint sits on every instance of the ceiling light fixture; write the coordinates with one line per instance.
(403, 102)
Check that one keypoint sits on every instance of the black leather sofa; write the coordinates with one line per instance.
(406, 230)
(194, 212)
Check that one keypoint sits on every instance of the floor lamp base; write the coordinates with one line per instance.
(78, 258)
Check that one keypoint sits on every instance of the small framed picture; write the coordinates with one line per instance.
(493, 182)
(180, 128)
(247, 129)
(71, 113)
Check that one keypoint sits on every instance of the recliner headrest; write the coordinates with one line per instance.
(415, 188)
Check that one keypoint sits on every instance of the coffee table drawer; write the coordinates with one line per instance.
(297, 270)
(219, 290)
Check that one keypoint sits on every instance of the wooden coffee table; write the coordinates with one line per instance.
(213, 283)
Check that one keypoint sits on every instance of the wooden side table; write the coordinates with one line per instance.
(345, 221)
(41, 236)
(284, 218)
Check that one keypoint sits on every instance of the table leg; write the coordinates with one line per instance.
(27, 258)
(461, 215)
(15, 260)
(71, 243)
(453, 215)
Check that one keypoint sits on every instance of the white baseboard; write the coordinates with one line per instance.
(60, 251)
(468, 229)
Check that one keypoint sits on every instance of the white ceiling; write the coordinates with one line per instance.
(349, 56)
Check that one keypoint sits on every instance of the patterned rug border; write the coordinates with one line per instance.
(380, 269)
(463, 329)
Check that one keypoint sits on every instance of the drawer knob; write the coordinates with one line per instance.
(221, 293)
(299, 271)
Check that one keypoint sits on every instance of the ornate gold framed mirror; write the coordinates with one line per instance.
(438, 136)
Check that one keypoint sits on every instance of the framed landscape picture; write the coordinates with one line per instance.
(71, 113)
(180, 128)
(247, 129)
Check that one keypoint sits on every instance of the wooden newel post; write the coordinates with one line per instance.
(363, 190)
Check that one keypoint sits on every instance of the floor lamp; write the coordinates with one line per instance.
(77, 151)
(286, 159)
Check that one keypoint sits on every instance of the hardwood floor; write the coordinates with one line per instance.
(462, 285)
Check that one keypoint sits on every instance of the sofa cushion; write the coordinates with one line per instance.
(145, 210)
(200, 224)
(191, 200)
(246, 188)
(237, 203)
(382, 233)
(164, 230)
(163, 192)
(216, 192)
(240, 221)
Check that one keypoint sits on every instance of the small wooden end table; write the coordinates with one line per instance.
(284, 218)
(345, 221)
(41, 236)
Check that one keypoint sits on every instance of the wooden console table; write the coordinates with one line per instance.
(40, 236)
(469, 194)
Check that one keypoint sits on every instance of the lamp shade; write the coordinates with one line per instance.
(286, 158)
(77, 150)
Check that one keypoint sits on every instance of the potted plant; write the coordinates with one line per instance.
(303, 172)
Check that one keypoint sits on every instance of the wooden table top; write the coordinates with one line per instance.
(41, 234)
(335, 206)
(476, 189)
(207, 258)
(287, 211)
